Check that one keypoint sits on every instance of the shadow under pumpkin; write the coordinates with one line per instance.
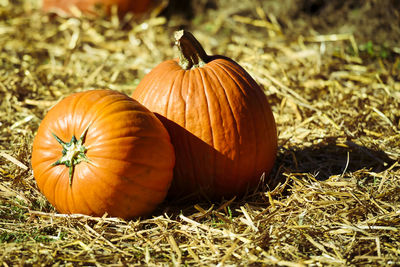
(325, 160)
(322, 161)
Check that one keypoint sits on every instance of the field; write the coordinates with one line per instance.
(331, 71)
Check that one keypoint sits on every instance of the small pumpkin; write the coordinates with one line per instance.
(100, 151)
(63, 7)
(218, 118)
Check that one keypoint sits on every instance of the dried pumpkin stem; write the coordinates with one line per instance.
(191, 53)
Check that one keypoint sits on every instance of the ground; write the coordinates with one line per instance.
(331, 72)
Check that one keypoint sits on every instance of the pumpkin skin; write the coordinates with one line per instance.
(218, 118)
(62, 7)
(129, 163)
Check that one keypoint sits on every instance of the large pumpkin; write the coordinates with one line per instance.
(100, 151)
(63, 7)
(218, 118)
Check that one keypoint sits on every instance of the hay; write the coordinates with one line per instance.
(335, 99)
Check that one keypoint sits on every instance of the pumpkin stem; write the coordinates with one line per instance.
(73, 153)
(191, 53)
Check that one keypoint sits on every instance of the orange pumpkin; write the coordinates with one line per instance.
(218, 118)
(100, 151)
(63, 7)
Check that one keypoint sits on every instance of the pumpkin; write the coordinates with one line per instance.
(63, 7)
(100, 152)
(218, 118)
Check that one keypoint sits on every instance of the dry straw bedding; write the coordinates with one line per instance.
(335, 99)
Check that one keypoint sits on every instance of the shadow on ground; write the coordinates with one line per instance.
(322, 161)
(330, 159)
